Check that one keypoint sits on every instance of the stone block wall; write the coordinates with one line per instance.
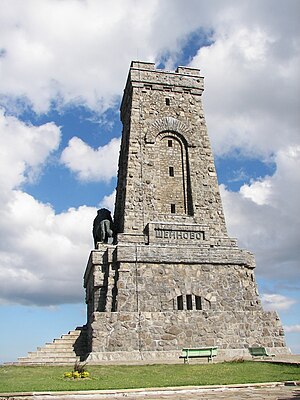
(139, 308)
(122, 335)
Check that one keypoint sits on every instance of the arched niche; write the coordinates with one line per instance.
(173, 187)
(169, 124)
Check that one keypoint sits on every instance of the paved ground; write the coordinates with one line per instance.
(243, 392)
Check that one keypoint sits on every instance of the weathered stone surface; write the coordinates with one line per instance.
(174, 278)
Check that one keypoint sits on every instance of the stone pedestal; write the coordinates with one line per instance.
(147, 302)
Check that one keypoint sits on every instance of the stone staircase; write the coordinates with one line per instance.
(67, 349)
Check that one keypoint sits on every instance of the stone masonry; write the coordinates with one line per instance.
(173, 278)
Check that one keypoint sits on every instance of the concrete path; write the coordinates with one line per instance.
(269, 391)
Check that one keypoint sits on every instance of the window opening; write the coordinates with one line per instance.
(189, 302)
(172, 208)
(179, 303)
(170, 143)
(171, 171)
(167, 101)
(198, 303)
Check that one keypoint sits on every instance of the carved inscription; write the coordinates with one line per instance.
(179, 234)
(176, 233)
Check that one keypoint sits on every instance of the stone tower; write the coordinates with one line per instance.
(173, 278)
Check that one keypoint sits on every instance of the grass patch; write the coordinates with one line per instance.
(50, 378)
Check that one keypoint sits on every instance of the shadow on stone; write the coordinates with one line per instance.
(80, 344)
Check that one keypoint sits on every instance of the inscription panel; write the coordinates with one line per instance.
(177, 233)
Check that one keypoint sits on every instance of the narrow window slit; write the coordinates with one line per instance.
(179, 303)
(198, 303)
(189, 302)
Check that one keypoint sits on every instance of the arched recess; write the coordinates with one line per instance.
(172, 125)
(173, 189)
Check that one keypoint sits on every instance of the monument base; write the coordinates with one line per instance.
(148, 302)
(170, 357)
(160, 336)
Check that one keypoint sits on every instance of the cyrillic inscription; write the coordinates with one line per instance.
(179, 234)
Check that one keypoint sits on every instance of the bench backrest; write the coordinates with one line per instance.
(200, 352)
(258, 351)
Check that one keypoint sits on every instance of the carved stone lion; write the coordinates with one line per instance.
(102, 226)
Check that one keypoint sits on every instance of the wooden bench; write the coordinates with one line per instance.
(259, 352)
(200, 352)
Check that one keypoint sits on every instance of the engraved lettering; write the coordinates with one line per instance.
(159, 233)
(179, 235)
(172, 234)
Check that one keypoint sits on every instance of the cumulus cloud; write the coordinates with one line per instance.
(292, 328)
(42, 254)
(276, 302)
(24, 149)
(252, 79)
(85, 58)
(90, 164)
(109, 201)
(266, 220)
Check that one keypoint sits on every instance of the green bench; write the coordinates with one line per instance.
(200, 352)
(260, 352)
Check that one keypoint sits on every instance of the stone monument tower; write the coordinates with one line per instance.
(172, 277)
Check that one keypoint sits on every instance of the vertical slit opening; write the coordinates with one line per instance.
(189, 302)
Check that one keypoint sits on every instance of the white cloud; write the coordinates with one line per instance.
(84, 59)
(24, 148)
(90, 164)
(292, 328)
(276, 302)
(252, 79)
(264, 217)
(42, 254)
(109, 201)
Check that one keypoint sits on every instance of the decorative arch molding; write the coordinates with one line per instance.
(168, 124)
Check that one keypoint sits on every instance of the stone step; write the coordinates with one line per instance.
(66, 339)
(60, 349)
(67, 343)
(43, 354)
(58, 346)
(71, 334)
(49, 360)
(68, 349)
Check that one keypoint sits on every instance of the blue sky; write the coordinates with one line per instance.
(63, 68)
